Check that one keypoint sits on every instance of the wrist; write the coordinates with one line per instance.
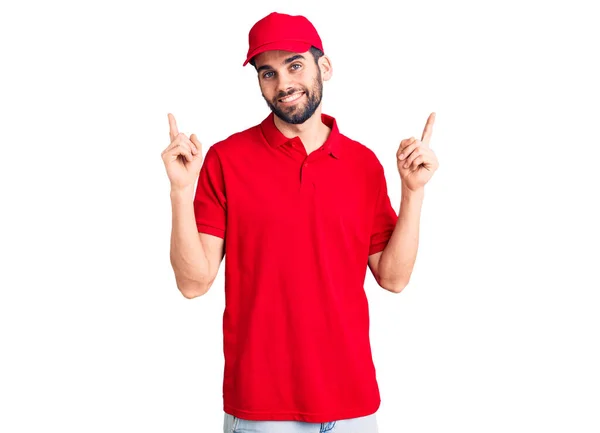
(410, 193)
(185, 193)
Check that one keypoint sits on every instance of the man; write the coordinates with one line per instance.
(301, 211)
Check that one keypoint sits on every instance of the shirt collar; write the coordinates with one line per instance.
(276, 138)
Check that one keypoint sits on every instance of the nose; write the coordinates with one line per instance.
(284, 83)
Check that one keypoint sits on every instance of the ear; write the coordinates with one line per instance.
(326, 67)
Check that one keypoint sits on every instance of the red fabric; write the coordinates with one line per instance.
(285, 32)
(298, 231)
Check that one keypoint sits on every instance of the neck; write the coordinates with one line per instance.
(313, 132)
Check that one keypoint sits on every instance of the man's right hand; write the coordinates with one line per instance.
(182, 158)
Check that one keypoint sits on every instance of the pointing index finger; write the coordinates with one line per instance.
(428, 130)
(172, 127)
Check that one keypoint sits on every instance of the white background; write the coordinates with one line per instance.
(498, 329)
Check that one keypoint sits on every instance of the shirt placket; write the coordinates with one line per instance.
(308, 169)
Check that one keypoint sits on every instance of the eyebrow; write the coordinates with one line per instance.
(285, 62)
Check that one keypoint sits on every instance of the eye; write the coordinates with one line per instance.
(296, 64)
(266, 74)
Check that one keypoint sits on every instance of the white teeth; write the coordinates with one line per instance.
(291, 97)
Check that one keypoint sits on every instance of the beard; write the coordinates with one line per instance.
(296, 114)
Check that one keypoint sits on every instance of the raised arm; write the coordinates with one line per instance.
(195, 257)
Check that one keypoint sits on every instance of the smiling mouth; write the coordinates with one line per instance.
(292, 97)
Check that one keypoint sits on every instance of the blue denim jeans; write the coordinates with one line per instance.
(363, 424)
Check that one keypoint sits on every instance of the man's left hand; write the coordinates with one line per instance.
(416, 160)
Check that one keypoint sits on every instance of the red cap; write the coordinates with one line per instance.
(282, 32)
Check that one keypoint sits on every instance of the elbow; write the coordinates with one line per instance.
(394, 286)
(399, 287)
(191, 285)
(191, 290)
(191, 294)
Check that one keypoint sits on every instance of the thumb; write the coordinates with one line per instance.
(197, 143)
(198, 156)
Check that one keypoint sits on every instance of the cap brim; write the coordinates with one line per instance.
(292, 46)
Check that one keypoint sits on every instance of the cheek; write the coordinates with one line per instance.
(267, 91)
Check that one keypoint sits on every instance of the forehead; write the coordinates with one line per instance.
(277, 57)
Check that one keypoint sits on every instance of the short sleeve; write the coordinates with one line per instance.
(385, 217)
(210, 203)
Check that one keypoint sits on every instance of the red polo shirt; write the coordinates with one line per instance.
(298, 231)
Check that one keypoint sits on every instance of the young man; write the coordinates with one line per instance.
(301, 211)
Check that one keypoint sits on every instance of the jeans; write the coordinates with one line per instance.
(363, 424)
